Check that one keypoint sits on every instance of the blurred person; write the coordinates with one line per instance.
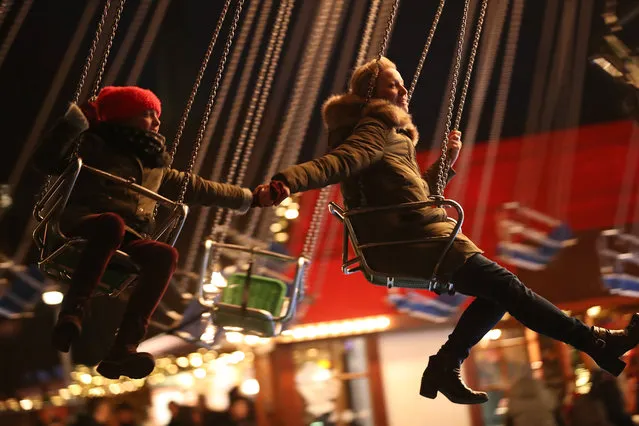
(125, 415)
(606, 389)
(174, 409)
(97, 413)
(530, 404)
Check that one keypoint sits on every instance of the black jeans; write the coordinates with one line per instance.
(497, 291)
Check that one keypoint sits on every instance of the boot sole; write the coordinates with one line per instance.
(136, 368)
(64, 335)
(428, 390)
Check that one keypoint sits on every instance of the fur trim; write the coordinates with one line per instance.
(76, 119)
(347, 109)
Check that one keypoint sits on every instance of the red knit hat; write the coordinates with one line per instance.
(116, 103)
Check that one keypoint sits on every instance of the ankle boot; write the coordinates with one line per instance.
(443, 375)
(606, 347)
(123, 358)
(69, 325)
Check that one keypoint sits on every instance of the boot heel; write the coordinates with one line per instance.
(427, 390)
(613, 366)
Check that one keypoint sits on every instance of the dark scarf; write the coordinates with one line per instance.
(149, 147)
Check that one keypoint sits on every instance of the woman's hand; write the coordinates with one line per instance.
(454, 146)
(270, 194)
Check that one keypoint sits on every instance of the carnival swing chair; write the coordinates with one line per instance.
(530, 239)
(59, 253)
(618, 247)
(436, 283)
(619, 261)
(250, 297)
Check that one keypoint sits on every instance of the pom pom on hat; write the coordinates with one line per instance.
(115, 103)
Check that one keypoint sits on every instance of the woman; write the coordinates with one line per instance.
(120, 134)
(372, 156)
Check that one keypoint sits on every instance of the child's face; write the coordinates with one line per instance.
(148, 120)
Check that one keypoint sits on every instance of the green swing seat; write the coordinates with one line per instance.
(265, 300)
(60, 254)
(254, 304)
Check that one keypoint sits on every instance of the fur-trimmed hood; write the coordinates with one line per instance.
(345, 110)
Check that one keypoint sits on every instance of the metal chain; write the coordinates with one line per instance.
(471, 63)
(92, 49)
(211, 101)
(287, 129)
(202, 218)
(429, 40)
(383, 45)
(443, 164)
(198, 81)
(107, 50)
(278, 152)
(254, 115)
(368, 31)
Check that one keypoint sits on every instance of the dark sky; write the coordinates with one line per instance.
(36, 54)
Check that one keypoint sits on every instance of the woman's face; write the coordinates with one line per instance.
(148, 121)
(390, 86)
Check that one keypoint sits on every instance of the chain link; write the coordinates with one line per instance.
(92, 49)
(429, 40)
(443, 163)
(198, 81)
(383, 45)
(253, 119)
(107, 50)
(471, 63)
(211, 101)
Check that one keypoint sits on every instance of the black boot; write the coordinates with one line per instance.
(69, 325)
(123, 358)
(443, 375)
(606, 347)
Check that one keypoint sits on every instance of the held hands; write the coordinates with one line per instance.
(270, 194)
(454, 146)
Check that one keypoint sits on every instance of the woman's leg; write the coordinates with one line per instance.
(499, 290)
(104, 234)
(157, 262)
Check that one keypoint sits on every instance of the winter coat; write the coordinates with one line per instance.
(136, 155)
(530, 404)
(372, 156)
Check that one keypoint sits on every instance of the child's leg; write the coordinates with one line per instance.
(157, 263)
(104, 234)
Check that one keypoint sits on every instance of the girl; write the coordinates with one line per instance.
(372, 156)
(122, 139)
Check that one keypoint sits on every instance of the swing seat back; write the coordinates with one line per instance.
(60, 254)
(264, 303)
(265, 293)
(119, 274)
(360, 264)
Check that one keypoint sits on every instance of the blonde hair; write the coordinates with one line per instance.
(363, 74)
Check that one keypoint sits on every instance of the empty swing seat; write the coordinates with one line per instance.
(360, 264)
(59, 254)
(438, 309)
(265, 301)
(22, 291)
(253, 304)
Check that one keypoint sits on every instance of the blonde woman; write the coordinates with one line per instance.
(372, 157)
